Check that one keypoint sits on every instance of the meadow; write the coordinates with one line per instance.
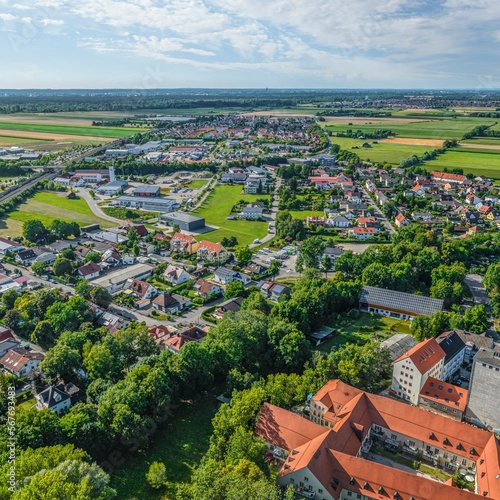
(216, 209)
(48, 206)
(180, 446)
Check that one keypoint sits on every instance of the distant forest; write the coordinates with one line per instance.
(52, 101)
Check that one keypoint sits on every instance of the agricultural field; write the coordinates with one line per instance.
(477, 162)
(198, 183)
(180, 446)
(47, 206)
(437, 128)
(58, 131)
(216, 209)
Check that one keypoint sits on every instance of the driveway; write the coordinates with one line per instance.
(95, 208)
(475, 284)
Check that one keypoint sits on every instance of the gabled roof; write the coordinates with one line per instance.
(407, 302)
(451, 343)
(183, 238)
(424, 355)
(445, 394)
(56, 394)
(165, 300)
(210, 247)
(173, 272)
(203, 286)
(17, 358)
(89, 268)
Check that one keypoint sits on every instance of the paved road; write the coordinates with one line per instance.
(475, 284)
(96, 209)
(378, 213)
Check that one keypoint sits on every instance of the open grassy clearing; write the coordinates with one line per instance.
(424, 129)
(477, 162)
(69, 129)
(360, 330)
(198, 183)
(391, 153)
(48, 207)
(216, 209)
(180, 446)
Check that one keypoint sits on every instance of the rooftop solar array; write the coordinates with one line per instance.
(407, 302)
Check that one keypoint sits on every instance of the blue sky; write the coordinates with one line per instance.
(250, 43)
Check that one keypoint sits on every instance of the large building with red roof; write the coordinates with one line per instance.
(412, 369)
(331, 460)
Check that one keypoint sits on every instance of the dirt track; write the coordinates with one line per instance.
(48, 136)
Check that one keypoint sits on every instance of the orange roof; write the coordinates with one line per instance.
(184, 238)
(400, 217)
(363, 230)
(445, 394)
(331, 455)
(424, 355)
(210, 246)
(285, 429)
(445, 176)
(364, 220)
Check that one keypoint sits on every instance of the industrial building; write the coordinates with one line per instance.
(147, 203)
(186, 222)
(147, 191)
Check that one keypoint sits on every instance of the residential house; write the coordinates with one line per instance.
(176, 275)
(421, 215)
(211, 252)
(315, 221)
(21, 362)
(177, 340)
(26, 257)
(81, 252)
(111, 257)
(58, 398)
(142, 289)
(160, 333)
(231, 305)
(362, 233)
(333, 253)
(205, 289)
(128, 259)
(272, 290)
(251, 213)
(8, 343)
(47, 258)
(400, 220)
(183, 243)
(166, 303)
(225, 275)
(412, 369)
(89, 271)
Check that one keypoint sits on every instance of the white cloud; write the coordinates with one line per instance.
(51, 22)
(7, 17)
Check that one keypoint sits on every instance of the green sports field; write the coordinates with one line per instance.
(216, 209)
(46, 206)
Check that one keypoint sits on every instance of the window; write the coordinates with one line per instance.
(320, 491)
(306, 479)
(411, 444)
(464, 462)
(349, 494)
(445, 455)
(393, 436)
(292, 480)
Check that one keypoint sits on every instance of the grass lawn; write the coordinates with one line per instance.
(198, 183)
(47, 207)
(26, 404)
(69, 129)
(478, 162)
(360, 330)
(180, 446)
(216, 209)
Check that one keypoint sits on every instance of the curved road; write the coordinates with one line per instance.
(96, 209)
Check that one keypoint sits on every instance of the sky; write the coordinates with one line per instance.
(147, 44)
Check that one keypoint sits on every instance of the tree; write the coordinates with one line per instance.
(13, 320)
(100, 296)
(34, 230)
(43, 334)
(62, 267)
(60, 362)
(476, 319)
(157, 475)
(92, 256)
(311, 251)
(136, 250)
(492, 277)
(8, 299)
(274, 267)
(100, 362)
(244, 255)
(83, 288)
(234, 289)
(38, 268)
(326, 264)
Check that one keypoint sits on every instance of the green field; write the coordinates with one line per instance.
(476, 162)
(422, 129)
(198, 183)
(360, 330)
(216, 209)
(50, 128)
(381, 152)
(180, 446)
(47, 207)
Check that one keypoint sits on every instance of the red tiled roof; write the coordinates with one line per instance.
(445, 394)
(89, 268)
(424, 355)
(183, 238)
(210, 246)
